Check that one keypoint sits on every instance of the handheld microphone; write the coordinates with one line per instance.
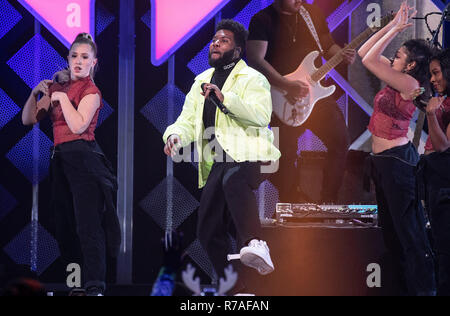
(62, 76)
(215, 100)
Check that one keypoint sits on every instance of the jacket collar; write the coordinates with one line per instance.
(241, 68)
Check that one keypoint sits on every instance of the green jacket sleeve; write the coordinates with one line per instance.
(185, 124)
(252, 105)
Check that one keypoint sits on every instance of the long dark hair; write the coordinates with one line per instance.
(420, 52)
(443, 57)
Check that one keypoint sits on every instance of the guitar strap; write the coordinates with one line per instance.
(307, 17)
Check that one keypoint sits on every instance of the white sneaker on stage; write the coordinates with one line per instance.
(257, 255)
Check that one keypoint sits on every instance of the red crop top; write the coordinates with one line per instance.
(76, 91)
(443, 117)
(392, 114)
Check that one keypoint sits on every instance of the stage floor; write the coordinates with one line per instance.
(309, 261)
(312, 261)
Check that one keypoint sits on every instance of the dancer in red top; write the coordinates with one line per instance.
(394, 158)
(434, 172)
(83, 185)
(438, 109)
(441, 110)
(74, 91)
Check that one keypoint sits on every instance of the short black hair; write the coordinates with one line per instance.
(239, 31)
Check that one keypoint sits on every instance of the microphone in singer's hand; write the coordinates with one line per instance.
(215, 100)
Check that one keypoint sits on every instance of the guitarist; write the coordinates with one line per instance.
(279, 40)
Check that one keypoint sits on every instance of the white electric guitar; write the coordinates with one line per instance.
(296, 114)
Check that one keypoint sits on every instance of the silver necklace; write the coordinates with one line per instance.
(293, 32)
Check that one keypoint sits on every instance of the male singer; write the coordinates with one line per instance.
(227, 112)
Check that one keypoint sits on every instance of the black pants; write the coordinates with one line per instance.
(327, 122)
(80, 178)
(436, 180)
(228, 204)
(402, 217)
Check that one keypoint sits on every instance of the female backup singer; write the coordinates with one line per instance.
(83, 185)
(394, 158)
(434, 171)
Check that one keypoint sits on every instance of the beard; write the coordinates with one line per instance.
(291, 8)
(226, 59)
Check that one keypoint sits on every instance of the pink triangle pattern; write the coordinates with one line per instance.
(175, 21)
(64, 18)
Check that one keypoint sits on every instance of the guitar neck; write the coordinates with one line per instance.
(337, 59)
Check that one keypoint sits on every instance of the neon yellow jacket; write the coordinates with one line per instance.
(244, 134)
